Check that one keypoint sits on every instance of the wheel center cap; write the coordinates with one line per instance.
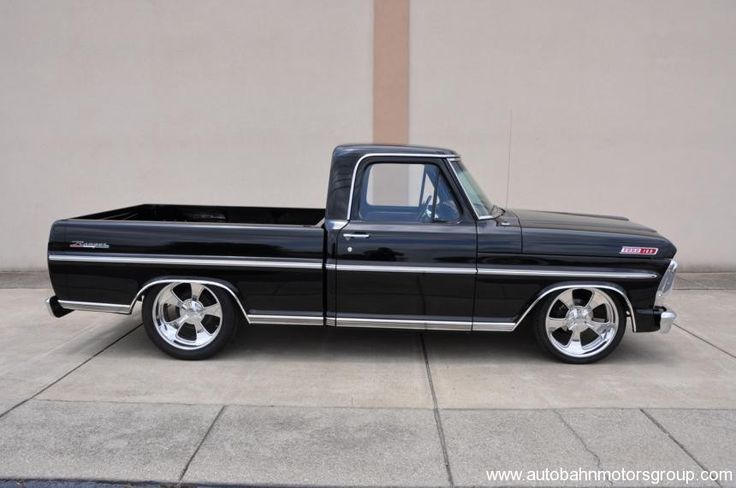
(578, 316)
(192, 308)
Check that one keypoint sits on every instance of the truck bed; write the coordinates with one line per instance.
(272, 256)
(311, 217)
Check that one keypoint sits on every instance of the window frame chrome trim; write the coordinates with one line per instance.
(442, 156)
(465, 192)
(184, 260)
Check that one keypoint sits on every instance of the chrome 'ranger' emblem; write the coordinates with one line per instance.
(642, 251)
(89, 245)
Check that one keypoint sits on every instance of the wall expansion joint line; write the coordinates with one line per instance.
(391, 71)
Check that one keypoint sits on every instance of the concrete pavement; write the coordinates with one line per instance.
(87, 397)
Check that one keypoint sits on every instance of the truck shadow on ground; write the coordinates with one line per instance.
(305, 343)
(357, 344)
(301, 365)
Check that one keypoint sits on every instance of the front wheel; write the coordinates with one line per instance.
(580, 325)
(189, 320)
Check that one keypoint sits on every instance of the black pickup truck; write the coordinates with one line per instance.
(408, 240)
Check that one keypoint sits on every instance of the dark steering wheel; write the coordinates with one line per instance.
(425, 214)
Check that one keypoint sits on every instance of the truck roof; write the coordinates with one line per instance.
(344, 159)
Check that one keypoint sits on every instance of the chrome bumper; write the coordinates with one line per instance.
(666, 320)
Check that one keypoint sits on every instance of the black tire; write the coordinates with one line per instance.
(540, 330)
(227, 325)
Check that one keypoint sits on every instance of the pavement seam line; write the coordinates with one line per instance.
(436, 411)
(585, 445)
(39, 392)
(201, 442)
(679, 444)
(705, 340)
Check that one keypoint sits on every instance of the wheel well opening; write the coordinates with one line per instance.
(229, 288)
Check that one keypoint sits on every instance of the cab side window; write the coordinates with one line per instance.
(406, 193)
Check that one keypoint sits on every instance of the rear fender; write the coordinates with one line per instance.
(224, 285)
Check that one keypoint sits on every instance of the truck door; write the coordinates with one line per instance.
(407, 256)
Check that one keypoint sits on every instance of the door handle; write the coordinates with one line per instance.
(356, 236)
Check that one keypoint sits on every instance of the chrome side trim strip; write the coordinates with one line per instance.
(500, 271)
(203, 282)
(183, 260)
(581, 285)
(335, 224)
(95, 306)
(474, 326)
(374, 155)
(286, 319)
(632, 275)
(127, 309)
(404, 324)
(404, 269)
(494, 326)
(283, 264)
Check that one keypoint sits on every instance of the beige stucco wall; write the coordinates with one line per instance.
(620, 107)
(616, 107)
(111, 103)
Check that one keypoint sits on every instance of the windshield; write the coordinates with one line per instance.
(483, 207)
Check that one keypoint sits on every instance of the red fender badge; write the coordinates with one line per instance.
(642, 251)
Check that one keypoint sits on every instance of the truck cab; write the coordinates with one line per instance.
(403, 239)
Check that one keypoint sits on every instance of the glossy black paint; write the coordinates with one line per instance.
(499, 298)
(401, 295)
(516, 239)
(585, 235)
(262, 290)
(384, 294)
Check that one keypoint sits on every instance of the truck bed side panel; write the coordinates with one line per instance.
(286, 277)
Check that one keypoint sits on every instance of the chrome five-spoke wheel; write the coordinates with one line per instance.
(580, 325)
(187, 315)
(186, 319)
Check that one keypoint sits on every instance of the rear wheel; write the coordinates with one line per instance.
(580, 325)
(189, 320)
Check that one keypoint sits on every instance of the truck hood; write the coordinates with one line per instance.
(587, 235)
